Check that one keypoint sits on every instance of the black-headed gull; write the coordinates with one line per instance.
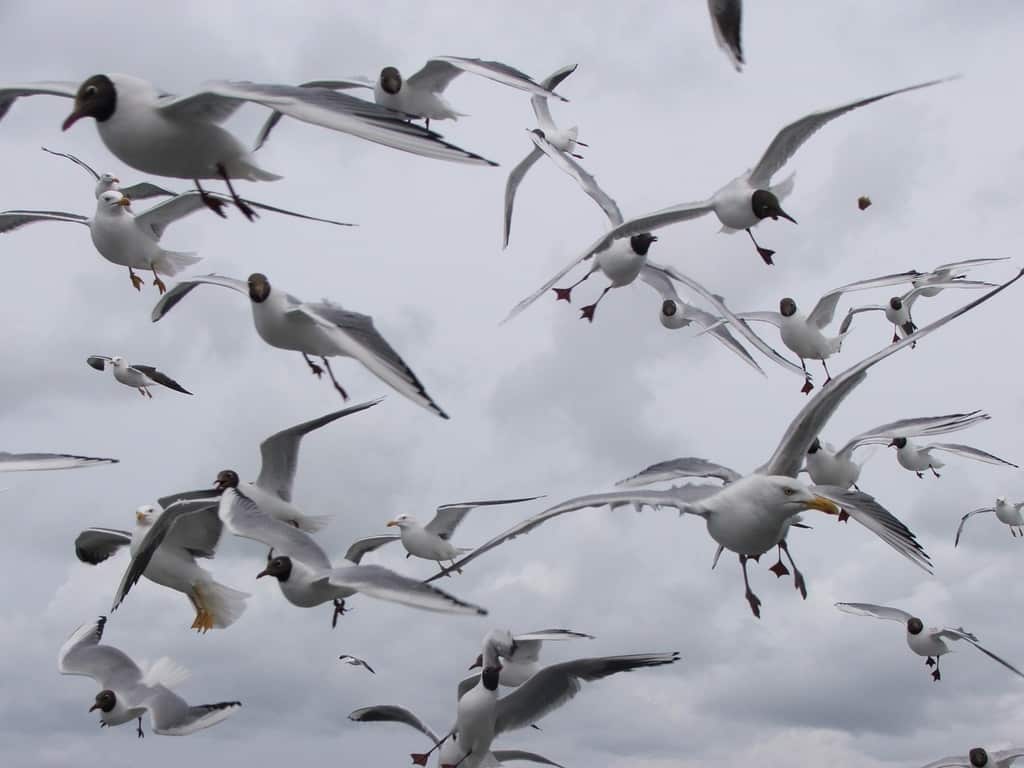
(727, 23)
(1008, 513)
(128, 692)
(918, 458)
(521, 660)
(929, 642)
(135, 375)
(322, 329)
(980, 758)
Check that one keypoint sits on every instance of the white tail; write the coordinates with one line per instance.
(313, 523)
(166, 672)
(172, 262)
(224, 604)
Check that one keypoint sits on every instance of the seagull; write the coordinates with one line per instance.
(752, 513)
(450, 753)
(105, 182)
(522, 660)
(354, 661)
(934, 281)
(929, 642)
(432, 541)
(323, 329)
(1008, 513)
(726, 20)
(180, 136)
(173, 564)
(827, 466)
(750, 198)
(38, 462)
(919, 458)
(980, 758)
(140, 377)
(128, 692)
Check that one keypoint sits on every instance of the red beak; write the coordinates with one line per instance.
(70, 120)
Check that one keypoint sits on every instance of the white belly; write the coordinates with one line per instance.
(743, 535)
(1005, 513)
(120, 241)
(915, 460)
(415, 101)
(422, 543)
(298, 333)
(827, 469)
(732, 205)
(899, 316)
(620, 263)
(805, 340)
(131, 378)
(475, 722)
(926, 644)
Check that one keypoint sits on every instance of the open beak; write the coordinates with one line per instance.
(116, 181)
(392, 523)
(71, 119)
(892, 444)
(822, 504)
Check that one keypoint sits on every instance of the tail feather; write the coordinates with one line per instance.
(313, 523)
(171, 263)
(166, 672)
(225, 604)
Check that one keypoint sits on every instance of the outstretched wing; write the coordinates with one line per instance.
(449, 516)
(360, 547)
(37, 462)
(387, 713)
(83, 655)
(168, 301)
(384, 584)
(441, 70)
(515, 178)
(540, 103)
(160, 378)
(689, 466)
(80, 163)
(877, 611)
(11, 220)
(244, 518)
(11, 93)
(968, 452)
(824, 311)
(726, 22)
(587, 182)
(919, 427)
(972, 513)
(94, 545)
(334, 85)
(961, 634)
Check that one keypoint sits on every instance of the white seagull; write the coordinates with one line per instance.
(173, 564)
(751, 514)
(432, 541)
(128, 692)
(980, 758)
(1007, 512)
(355, 661)
(322, 329)
(521, 660)
(44, 462)
(929, 642)
(750, 198)
(827, 466)
(726, 22)
(135, 375)
(917, 459)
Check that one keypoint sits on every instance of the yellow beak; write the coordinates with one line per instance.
(124, 201)
(822, 504)
(391, 523)
(140, 516)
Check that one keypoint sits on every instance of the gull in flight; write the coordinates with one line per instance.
(136, 376)
(521, 660)
(173, 564)
(726, 22)
(41, 462)
(1008, 513)
(128, 692)
(980, 758)
(322, 329)
(750, 198)
(432, 541)
(929, 642)
(751, 514)
(827, 466)
(917, 459)
(355, 661)
(181, 136)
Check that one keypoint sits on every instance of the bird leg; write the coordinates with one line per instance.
(565, 294)
(211, 202)
(808, 386)
(136, 280)
(337, 386)
(452, 567)
(828, 376)
(243, 206)
(933, 471)
(316, 369)
(936, 675)
(765, 253)
(919, 475)
(895, 335)
(139, 729)
(588, 311)
(798, 578)
(203, 621)
(779, 569)
(426, 123)
(158, 282)
(752, 599)
(420, 758)
(339, 610)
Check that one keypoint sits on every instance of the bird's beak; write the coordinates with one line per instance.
(116, 181)
(654, 238)
(94, 706)
(124, 202)
(786, 216)
(262, 573)
(822, 504)
(72, 118)
(139, 517)
(892, 444)
(392, 523)
(218, 484)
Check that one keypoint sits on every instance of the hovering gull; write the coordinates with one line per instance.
(919, 458)
(323, 329)
(108, 181)
(980, 758)
(726, 21)
(450, 753)
(128, 692)
(934, 281)
(522, 659)
(173, 564)
(827, 466)
(929, 642)
(140, 377)
(181, 136)
(1007, 513)
(432, 541)
(750, 198)
(354, 661)
(38, 462)
(752, 513)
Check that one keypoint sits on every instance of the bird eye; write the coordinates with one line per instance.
(90, 90)
(789, 491)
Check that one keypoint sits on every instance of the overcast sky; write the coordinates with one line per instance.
(544, 405)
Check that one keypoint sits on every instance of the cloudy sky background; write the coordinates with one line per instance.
(544, 405)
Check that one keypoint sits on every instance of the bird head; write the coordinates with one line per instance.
(979, 757)
(96, 98)
(226, 478)
(787, 307)
(402, 521)
(641, 243)
(896, 302)
(1000, 499)
(814, 447)
(390, 80)
(784, 495)
(105, 701)
(279, 567)
(144, 515)
(898, 443)
(915, 626)
(117, 360)
(766, 206)
(259, 287)
(113, 200)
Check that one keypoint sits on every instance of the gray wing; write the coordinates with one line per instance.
(356, 336)
(160, 378)
(170, 299)
(824, 311)
(35, 462)
(674, 214)
(914, 293)
(540, 103)
(919, 427)
(966, 264)
(11, 93)
(384, 584)
(80, 163)
(877, 611)
(972, 513)
(679, 498)
(512, 755)
(94, 545)
(319, 106)
(11, 220)
(279, 453)
(99, 362)
(243, 517)
(387, 713)
(812, 418)
(360, 547)
(949, 762)
(83, 655)
(1006, 756)
(172, 716)
(587, 182)
(726, 22)
(689, 466)
(792, 137)
(848, 320)
(553, 686)
(441, 70)
(961, 634)
(356, 661)
(334, 85)
(466, 685)
(772, 318)
(145, 191)
(515, 178)
(449, 516)
(552, 634)
(968, 452)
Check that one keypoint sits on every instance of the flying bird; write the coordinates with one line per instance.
(355, 661)
(521, 660)
(40, 462)
(1008, 513)
(322, 329)
(980, 758)
(135, 375)
(128, 692)
(917, 459)
(929, 642)
(727, 22)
